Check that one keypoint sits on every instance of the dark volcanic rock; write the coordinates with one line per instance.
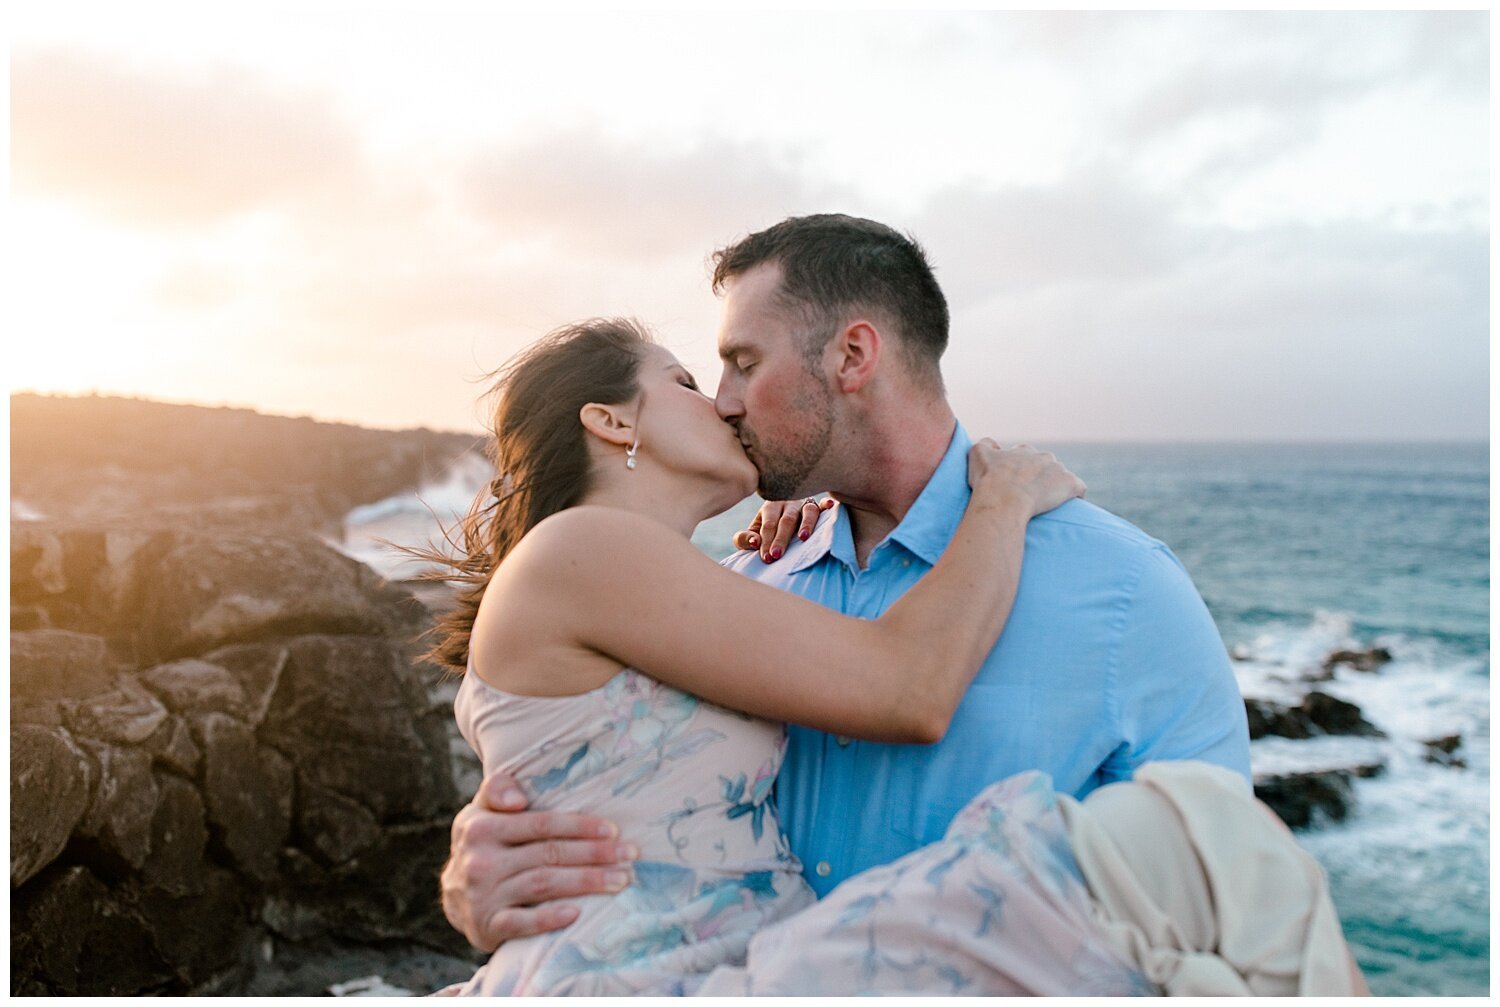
(126, 715)
(371, 750)
(71, 935)
(1334, 716)
(179, 838)
(57, 664)
(1298, 797)
(120, 814)
(257, 668)
(213, 591)
(1317, 714)
(173, 748)
(200, 933)
(1360, 660)
(50, 779)
(1440, 751)
(248, 791)
(386, 894)
(1266, 717)
(191, 684)
(217, 732)
(334, 828)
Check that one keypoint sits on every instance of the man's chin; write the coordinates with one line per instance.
(777, 490)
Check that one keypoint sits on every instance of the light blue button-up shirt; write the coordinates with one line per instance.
(1109, 659)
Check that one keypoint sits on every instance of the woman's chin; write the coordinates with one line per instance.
(737, 486)
(749, 480)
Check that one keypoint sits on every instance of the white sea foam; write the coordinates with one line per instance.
(1411, 859)
(368, 986)
(1425, 691)
(448, 496)
(412, 519)
(1272, 756)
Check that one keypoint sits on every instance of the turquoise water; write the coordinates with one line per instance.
(1303, 549)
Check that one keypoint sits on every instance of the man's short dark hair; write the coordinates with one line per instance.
(833, 264)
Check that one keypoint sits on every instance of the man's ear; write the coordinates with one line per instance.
(608, 423)
(857, 349)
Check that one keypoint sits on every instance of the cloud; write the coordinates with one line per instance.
(1269, 82)
(157, 150)
(587, 194)
(1093, 310)
(1101, 301)
(1090, 225)
(1450, 47)
(1092, 307)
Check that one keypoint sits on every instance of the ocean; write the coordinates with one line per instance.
(1298, 550)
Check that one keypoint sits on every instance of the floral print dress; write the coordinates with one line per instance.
(718, 905)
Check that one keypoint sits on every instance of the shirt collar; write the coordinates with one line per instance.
(925, 530)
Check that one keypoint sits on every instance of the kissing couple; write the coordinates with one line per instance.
(962, 732)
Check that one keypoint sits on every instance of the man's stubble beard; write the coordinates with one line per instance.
(785, 475)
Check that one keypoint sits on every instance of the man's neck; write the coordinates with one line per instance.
(895, 464)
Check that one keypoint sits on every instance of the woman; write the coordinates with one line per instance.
(603, 648)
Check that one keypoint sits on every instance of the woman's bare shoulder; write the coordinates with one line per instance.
(527, 630)
(590, 544)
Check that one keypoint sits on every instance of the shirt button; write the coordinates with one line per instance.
(905, 563)
(823, 869)
(843, 741)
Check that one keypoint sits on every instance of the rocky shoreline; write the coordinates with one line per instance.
(103, 458)
(1312, 784)
(229, 771)
(224, 756)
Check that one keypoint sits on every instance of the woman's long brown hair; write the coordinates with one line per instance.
(542, 462)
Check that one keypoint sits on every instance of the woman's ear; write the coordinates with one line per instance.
(608, 423)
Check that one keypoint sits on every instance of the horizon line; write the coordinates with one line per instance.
(1085, 441)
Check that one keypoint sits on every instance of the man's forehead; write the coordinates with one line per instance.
(753, 318)
(738, 329)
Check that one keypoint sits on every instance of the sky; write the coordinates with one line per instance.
(1164, 227)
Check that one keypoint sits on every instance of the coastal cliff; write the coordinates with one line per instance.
(229, 771)
(104, 458)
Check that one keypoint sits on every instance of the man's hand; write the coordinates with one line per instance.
(507, 866)
(772, 527)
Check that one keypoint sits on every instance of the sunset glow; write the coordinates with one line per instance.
(1148, 226)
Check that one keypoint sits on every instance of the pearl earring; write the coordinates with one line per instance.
(630, 454)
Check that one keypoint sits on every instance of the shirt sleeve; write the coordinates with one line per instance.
(1175, 693)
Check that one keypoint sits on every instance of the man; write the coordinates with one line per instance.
(831, 336)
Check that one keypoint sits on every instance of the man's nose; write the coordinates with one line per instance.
(727, 404)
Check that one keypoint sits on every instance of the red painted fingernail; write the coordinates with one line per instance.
(804, 534)
(776, 552)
